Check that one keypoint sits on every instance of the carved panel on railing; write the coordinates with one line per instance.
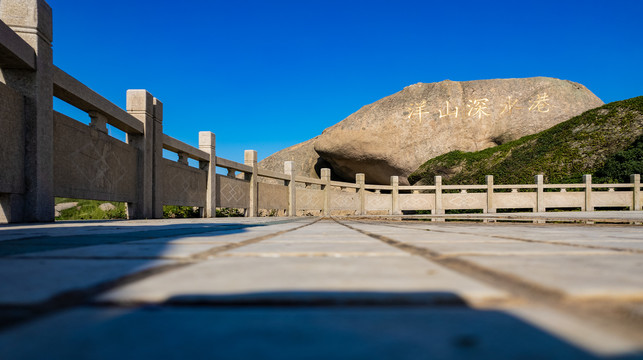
(464, 201)
(612, 198)
(417, 201)
(378, 201)
(310, 199)
(272, 196)
(517, 200)
(183, 185)
(12, 146)
(342, 200)
(232, 193)
(571, 199)
(89, 164)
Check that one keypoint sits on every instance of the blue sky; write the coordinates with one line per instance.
(265, 75)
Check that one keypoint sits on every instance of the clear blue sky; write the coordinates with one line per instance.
(265, 75)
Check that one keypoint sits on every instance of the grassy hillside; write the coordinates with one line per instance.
(606, 142)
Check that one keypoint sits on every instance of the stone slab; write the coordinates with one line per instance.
(549, 233)
(128, 251)
(287, 333)
(27, 281)
(327, 277)
(227, 233)
(600, 340)
(597, 276)
(627, 245)
(336, 249)
(507, 249)
(168, 226)
(420, 234)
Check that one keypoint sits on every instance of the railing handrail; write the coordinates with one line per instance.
(16, 52)
(178, 146)
(75, 93)
(232, 165)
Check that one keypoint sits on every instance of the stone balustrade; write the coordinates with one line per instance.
(45, 154)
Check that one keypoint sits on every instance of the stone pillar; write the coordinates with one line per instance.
(540, 193)
(32, 21)
(491, 209)
(250, 159)
(325, 177)
(157, 161)
(140, 104)
(360, 180)
(587, 179)
(289, 169)
(207, 143)
(438, 210)
(635, 179)
(395, 196)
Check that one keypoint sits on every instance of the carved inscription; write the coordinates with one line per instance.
(479, 107)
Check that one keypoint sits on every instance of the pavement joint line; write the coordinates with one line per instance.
(611, 314)
(524, 254)
(84, 297)
(314, 254)
(587, 246)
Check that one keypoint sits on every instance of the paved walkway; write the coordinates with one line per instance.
(315, 288)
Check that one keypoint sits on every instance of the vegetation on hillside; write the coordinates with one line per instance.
(606, 141)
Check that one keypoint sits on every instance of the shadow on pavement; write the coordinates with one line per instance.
(23, 241)
(343, 325)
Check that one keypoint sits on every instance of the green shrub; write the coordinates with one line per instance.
(173, 211)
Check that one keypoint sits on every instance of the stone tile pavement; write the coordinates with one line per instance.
(320, 288)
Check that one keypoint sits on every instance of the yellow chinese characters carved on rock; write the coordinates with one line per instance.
(447, 112)
(417, 110)
(478, 107)
(510, 105)
(541, 103)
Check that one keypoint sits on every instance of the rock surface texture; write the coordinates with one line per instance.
(395, 135)
(307, 161)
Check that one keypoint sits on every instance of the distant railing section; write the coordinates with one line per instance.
(45, 154)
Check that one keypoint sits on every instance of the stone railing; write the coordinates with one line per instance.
(45, 154)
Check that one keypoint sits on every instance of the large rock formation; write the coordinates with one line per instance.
(396, 134)
(307, 161)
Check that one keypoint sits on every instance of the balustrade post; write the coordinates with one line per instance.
(395, 196)
(140, 104)
(325, 176)
(250, 159)
(183, 158)
(587, 179)
(360, 180)
(98, 121)
(157, 160)
(34, 201)
(635, 179)
(207, 143)
(540, 193)
(491, 209)
(289, 169)
(438, 210)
